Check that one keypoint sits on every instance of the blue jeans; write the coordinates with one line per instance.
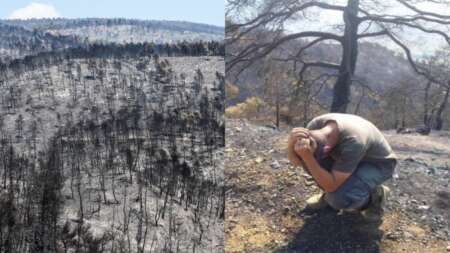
(355, 192)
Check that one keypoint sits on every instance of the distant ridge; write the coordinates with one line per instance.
(59, 23)
(19, 38)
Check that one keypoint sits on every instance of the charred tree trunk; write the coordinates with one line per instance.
(358, 105)
(426, 115)
(341, 90)
(438, 122)
(277, 106)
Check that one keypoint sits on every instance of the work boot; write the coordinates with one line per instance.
(378, 199)
(316, 202)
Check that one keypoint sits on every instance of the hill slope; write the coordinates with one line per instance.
(17, 42)
(119, 153)
(377, 67)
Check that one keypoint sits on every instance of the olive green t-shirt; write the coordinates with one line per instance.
(359, 141)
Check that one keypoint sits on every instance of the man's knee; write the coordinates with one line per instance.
(372, 175)
(352, 196)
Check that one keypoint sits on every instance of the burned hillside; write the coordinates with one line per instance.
(119, 152)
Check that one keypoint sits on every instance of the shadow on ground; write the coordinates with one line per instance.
(327, 231)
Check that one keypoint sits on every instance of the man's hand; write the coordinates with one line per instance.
(297, 134)
(303, 147)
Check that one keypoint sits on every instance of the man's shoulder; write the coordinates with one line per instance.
(319, 121)
(336, 116)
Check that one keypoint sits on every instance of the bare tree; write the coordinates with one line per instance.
(438, 67)
(265, 32)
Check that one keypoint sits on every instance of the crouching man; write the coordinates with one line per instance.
(349, 159)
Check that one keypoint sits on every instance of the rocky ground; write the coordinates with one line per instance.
(266, 199)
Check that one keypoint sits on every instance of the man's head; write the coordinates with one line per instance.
(317, 147)
(320, 148)
(320, 141)
(323, 140)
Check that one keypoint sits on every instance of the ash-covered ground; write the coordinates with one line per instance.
(266, 196)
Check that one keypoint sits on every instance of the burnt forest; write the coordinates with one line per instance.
(109, 145)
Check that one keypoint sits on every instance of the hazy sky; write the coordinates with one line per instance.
(201, 11)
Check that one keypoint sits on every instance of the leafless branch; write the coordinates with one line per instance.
(374, 34)
(307, 65)
(407, 51)
(269, 16)
(298, 55)
(406, 22)
(415, 9)
(264, 49)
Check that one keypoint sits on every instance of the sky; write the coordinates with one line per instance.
(199, 11)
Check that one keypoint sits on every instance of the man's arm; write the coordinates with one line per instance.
(328, 181)
(295, 135)
(292, 156)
